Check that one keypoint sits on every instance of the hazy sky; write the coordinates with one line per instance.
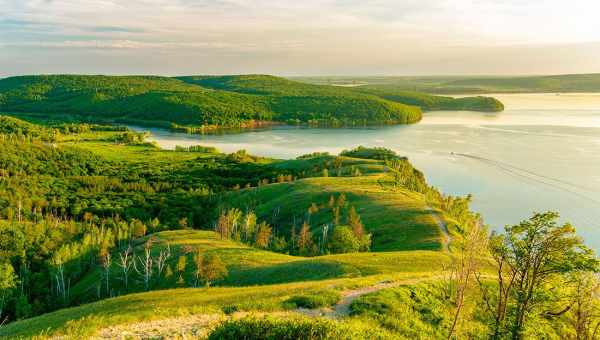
(301, 37)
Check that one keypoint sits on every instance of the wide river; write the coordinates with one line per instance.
(542, 153)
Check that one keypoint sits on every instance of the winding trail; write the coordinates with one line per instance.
(342, 308)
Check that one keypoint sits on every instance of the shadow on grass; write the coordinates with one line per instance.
(296, 271)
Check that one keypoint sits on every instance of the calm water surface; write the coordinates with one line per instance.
(542, 153)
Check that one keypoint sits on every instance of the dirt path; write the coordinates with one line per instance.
(342, 308)
(200, 325)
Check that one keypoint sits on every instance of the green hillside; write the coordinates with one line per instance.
(274, 279)
(249, 266)
(397, 218)
(267, 85)
(429, 102)
(162, 101)
(103, 235)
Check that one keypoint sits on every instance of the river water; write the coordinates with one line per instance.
(542, 153)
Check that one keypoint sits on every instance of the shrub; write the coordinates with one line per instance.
(343, 241)
(292, 328)
(315, 300)
(378, 153)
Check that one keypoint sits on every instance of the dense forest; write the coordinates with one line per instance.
(203, 103)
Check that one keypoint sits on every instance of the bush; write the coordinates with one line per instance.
(292, 329)
(377, 153)
(197, 148)
(315, 300)
(343, 241)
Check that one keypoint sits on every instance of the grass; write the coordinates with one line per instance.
(397, 218)
(187, 301)
(323, 298)
(249, 266)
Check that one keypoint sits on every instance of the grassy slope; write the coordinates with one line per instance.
(293, 275)
(397, 218)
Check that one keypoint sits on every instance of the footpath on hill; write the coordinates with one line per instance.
(200, 325)
(342, 308)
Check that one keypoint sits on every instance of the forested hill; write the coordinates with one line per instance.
(268, 85)
(196, 101)
(162, 101)
(470, 84)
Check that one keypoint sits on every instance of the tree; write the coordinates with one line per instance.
(233, 220)
(263, 235)
(466, 263)
(249, 226)
(168, 272)
(336, 215)
(183, 223)
(305, 240)
(126, 260)
(106, 263)
(584, 313)
(210, 268)
(139, 229)
(58, 268)
(155, 224)
(528, 256)
(181, 266)
(161, 260)
(343, 241)
(8, 281)
(359, 230)
(146, 268)
(341, 200)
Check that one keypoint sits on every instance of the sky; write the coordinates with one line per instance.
(300, 38)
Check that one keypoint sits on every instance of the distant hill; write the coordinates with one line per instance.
(466, 84)
(209, 102)
(430, 102)
(160, 101)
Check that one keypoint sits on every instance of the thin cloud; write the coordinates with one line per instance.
(351, 33)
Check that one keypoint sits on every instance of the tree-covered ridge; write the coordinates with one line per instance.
(161, 101)
(157, 100)
(430, 102)
(269, 85)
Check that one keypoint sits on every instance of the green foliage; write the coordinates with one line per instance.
(197, 148)
(8, 281)
(343, 240)
(323, 298)
(132, 138)
(22, 129)
(430, 103)
(195, 104)
(292, 329)
(413, 312)
(378, 153)
(528, 257)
